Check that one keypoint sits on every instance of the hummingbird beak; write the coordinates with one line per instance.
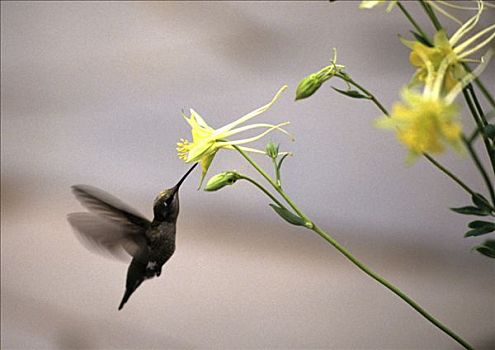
(176, 187)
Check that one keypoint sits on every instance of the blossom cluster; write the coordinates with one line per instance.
(427, 118)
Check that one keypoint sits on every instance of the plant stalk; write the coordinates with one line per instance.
(390, 287)
(480, 167)
(310, 225)
(480, 123)
(413, 22)
(263, 189)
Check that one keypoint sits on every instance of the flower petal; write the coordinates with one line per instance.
(465, 44)
(199, 151)
(466, 27)
(205, 165)
(259, 125)
(248, 116)
(248, 140)
(200, 121)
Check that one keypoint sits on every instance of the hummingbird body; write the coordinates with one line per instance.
(160, 247)
(117, 227)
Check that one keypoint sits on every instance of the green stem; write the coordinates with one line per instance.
(273, 183)
(485, 92)
(366, 92)
(449, 174)
(479, 123)
(413, 22)
(481, 86)
(264, 190)
(477, 104)
(431, 15)
(475, 133)
(277, 172)
(347, 254)
(473, 136)
(480, 167)
(390, 286)
(452, 176)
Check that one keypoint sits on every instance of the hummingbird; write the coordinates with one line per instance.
(114, 227)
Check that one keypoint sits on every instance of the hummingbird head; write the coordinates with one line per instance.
(166, 205)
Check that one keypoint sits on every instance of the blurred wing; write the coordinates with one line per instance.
(110, 208)
(106, 237)
(112, 227)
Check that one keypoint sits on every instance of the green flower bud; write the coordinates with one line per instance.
(271, 150)
(312, 82)
(221, 180)
(308, 86)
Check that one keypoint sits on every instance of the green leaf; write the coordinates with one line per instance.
(420, 38)
(487, 248)
(489, 131)
(480, 230)
(481, 202)
(279, 165)
(288, 216)
(351, 93)
(479, 223)
(469, 210)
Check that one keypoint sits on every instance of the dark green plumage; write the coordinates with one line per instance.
(113, 227)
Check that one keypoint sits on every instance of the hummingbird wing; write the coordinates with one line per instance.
(111, 226)
(110, 207)
(105, 237)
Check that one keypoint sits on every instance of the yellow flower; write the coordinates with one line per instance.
(449, 49)
(206, 141)
(424, 124)
(426, 121)
(369, 4)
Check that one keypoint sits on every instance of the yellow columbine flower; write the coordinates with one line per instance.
(426, 121)
(424, 124)
(369, 4)
(206, 141)
(450, 49)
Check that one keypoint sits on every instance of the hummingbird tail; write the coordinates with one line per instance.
(127, 294)
(135, 276)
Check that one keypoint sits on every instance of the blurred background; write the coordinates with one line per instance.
(92, 92)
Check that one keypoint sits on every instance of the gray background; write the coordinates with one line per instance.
(92, 93)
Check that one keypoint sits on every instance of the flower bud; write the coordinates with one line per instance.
(271, 150)
(308, 86)
(221, 180)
